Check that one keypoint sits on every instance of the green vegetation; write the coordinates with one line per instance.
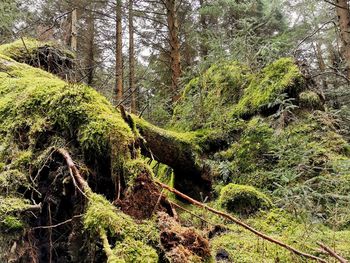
(274, 159)
(132, 238)
(231, 89)
(243, 199)
(27, 50)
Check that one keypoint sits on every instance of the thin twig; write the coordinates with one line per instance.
(242, 224)
(332, 253)
(57, 225)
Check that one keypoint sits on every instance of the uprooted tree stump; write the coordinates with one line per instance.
(41, 114)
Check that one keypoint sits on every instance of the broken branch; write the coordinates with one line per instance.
(332, 253)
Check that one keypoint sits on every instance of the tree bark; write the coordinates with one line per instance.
(192, 176)
(90, 63)
(132, 87)
(343, 14)
(74, 33)
(173, 29)
(203, 22)
(119, 54)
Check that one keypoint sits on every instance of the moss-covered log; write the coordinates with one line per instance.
(180, 151)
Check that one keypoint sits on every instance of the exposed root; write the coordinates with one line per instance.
(242, 224)
(181, 244)
(144, 198)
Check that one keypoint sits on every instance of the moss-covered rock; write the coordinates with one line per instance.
(243, 199)
(310, 99)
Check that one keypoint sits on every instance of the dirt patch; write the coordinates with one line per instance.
(181, 244)
(143, 199)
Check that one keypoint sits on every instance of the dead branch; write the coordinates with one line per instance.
(78, 180)
(242, 224)
(57, 225)
(332, 253)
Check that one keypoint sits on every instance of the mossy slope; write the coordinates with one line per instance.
(39, 113)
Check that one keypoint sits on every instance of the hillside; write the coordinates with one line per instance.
(81, 180)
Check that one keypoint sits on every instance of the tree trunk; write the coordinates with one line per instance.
(74, 32)
(119, 54)
(192, 175)
(90, 63)
(174, 42)
(132, 87)
(203, 22)
(342, 9)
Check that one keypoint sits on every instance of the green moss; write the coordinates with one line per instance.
(101, 215)
(310, 99)
(243, 246)
(131, 251)
(34, 103)
(12, 223)
(27, 49)
(207, 98)
(9, 209)
(245, 155)
(134, 168)
(231, 89)
(282, 76)
(243, 199)
(12, 180)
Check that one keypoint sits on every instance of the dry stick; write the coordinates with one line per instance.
(57, 225)
(74, 172)
(332, 253)
(244, 225)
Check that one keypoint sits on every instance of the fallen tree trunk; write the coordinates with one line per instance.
(181, 152)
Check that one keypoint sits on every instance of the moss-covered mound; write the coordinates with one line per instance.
(230, 89)
(40, 113)
(243, 199)
(46, 55)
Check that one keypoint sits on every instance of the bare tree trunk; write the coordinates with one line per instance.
(74, 31)
(202, 19)
(119, 54)
(174, 41)
(343, 13)
(132, 87)
(320, 60)
(90, 63)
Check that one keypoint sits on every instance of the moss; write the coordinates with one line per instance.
(12, 180)
(34, 103)
(26, 49)
(282, 76)
(10, 220)
(134, 168)
(242, 246)
(231, 89)
(246, 153)
(310, 99)
(243, 199)
(207, 98)
(131, 251)
(101, 215)
(12, 223)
